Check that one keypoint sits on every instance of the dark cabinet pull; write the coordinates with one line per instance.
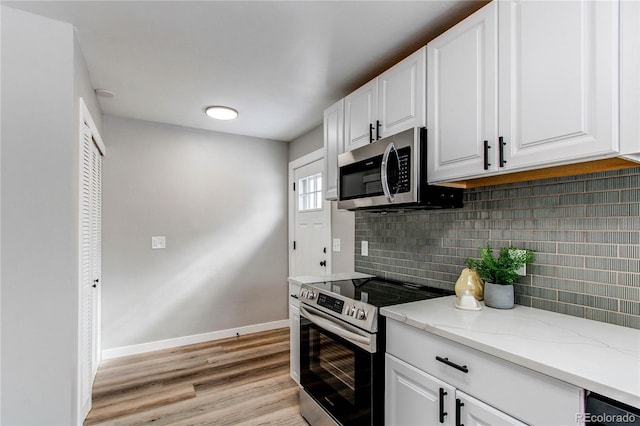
(442, 412)
(323, 263)
(462, 368)
(501, 144)
(370, 133)
(95, 283)
(378, 129)
(459, 405)
(486, 155)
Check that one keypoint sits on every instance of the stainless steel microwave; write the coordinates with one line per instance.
(391, 174)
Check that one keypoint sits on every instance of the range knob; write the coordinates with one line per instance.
(311, 295)
(361, 314)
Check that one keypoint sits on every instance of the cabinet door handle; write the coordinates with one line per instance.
(441, 401)
(501, 144)
(486, 155)
(378, 129)
(459, 405)
(370, 132)
(462, 368)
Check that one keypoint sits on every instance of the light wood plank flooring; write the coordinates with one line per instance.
(236, 381)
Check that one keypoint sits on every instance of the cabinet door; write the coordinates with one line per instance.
(294, 341)
(360, 115)
(402, 95)
(476, 413)
(413, 397)
(462, 110)
(333, 146)
(557, 81)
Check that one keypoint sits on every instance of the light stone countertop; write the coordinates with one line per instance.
(592, 355)
(341, 276)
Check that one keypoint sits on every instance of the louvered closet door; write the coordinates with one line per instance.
(90, 264)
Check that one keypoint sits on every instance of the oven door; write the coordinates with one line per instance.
(337, 365)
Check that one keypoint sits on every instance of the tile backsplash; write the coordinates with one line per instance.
(585, 231)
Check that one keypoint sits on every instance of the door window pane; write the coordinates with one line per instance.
(310, 196)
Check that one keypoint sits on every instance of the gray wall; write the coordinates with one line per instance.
(42, 71)
(585, 231)
(307, 143)
(220, 200)
(342, 221)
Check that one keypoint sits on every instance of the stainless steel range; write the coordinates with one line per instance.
(342, 344)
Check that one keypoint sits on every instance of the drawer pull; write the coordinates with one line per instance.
(442, 412)
(462, 368)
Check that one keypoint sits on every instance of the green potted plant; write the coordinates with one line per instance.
(499, 273)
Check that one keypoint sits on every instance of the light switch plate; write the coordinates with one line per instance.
(522, 271)
(158, 242)
(364, 248)
(336, 244)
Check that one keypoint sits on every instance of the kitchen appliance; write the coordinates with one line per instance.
(603, 411)
(342, 345)
(391, 173)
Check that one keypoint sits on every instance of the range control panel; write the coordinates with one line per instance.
(354, 312)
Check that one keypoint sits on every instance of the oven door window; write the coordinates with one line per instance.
(336, 373)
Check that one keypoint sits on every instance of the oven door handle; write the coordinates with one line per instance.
(359, 340)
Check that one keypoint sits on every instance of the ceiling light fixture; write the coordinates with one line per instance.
(220, 112)
(105, 93)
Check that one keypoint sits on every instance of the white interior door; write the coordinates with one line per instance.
(311, 215)
(90, 273)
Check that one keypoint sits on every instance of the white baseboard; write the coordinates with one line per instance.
(190, 340)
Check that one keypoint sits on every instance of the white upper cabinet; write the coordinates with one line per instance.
(462, 85)
(333, 146)
(557, 78)
(402, 95)
(536, 80)
(360, 115)
(390, 103)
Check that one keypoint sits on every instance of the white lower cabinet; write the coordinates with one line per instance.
(414, 398)
(294, 332)
(431, 380)
(472, 412)
(294, 340)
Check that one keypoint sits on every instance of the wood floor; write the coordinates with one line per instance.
(236, 381)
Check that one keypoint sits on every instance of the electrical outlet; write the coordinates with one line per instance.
(336, 244)
(364, 248)
(522, 271)
(158, 242)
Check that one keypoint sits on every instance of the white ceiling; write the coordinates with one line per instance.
(280, 63)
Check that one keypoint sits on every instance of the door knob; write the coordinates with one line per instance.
(323, 263)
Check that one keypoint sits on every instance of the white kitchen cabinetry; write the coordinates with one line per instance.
(536, 80)
(392, 102)
(360, 114)
(492, 390)
(473, 412)
(294, 332)
(333, 146)
(415, 397)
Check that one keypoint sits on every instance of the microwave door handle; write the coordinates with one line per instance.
(383, 172)
(356, 339)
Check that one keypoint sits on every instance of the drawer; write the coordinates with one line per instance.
(530, 396)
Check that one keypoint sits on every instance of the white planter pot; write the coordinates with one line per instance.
(498, 296)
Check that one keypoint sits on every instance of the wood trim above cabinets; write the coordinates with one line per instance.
(546, 173)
